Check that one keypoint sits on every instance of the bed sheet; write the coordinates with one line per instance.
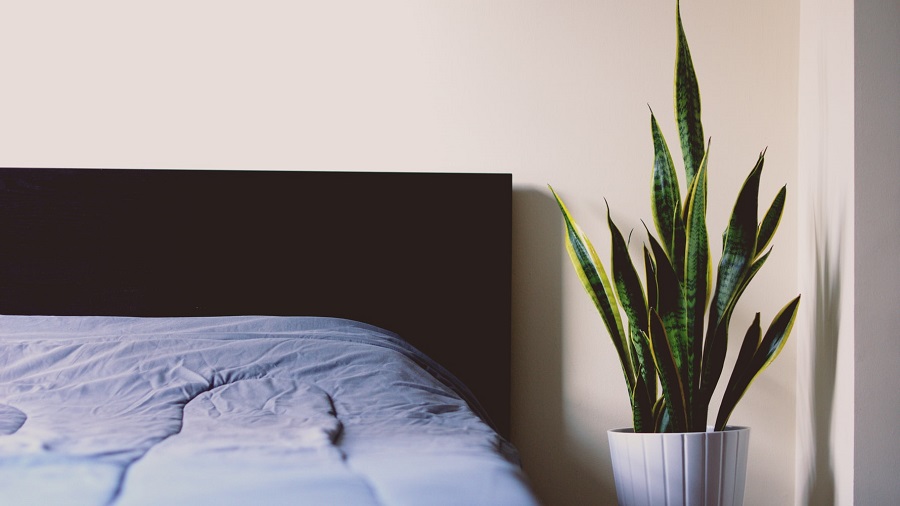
(237, 410)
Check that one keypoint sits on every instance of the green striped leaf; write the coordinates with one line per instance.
(739, 243)
(650, 276)
(738, 251)
(687, 103)
(748, 349)
(669, 375)
(643, 360)
(717, 342)
(665, 197)
(632, 299)
(628, 284)
(770, 221)
(662, 422)
(595, 281)
(642, 406)
(671, 308)
(697, 271)
(776, 336)
(743, 362)
(766, 352)
(672, 311)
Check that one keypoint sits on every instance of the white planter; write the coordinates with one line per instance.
(680, 469)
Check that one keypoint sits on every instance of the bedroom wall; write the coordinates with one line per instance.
(551, 91)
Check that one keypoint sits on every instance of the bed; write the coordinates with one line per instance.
(255, 337)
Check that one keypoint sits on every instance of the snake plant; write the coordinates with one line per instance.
(673, 348)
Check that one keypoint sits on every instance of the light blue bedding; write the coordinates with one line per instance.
(237, 410)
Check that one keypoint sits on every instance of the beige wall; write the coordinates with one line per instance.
(552, 91)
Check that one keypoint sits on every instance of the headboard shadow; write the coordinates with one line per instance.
(426, 255)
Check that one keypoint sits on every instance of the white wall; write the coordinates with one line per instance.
(552, 91)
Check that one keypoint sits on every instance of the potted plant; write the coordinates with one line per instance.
(673, 349)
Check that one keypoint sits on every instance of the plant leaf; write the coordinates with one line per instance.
(631, 298)
(744, 359)
(669, 375)
(652, 301)
(687, 103)
(627, 282)
(593, 276)
(738, 243)
(738, 251)
(640, 343)
(769, 348)
(770, 221)
(666, 197)
(650, 276)
(642, 407)
(672, 311)
(716, 348)
(776, 336)
(697, 274)
(662, 422)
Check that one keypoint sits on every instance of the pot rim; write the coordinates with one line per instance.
(709, 430)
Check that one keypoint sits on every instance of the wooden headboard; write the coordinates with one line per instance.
(426, 255)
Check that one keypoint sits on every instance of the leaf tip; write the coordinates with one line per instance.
(645, 226)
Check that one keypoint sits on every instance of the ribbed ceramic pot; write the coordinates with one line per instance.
(680, 469)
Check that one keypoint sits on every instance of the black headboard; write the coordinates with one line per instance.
(426, 255)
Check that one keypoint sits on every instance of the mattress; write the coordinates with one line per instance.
(238, 410)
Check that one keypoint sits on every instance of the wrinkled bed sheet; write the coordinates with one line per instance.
(236, 410)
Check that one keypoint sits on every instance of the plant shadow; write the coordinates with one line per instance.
(825, 335)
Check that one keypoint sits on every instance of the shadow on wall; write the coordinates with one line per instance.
(558, 473)
(825, 333)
